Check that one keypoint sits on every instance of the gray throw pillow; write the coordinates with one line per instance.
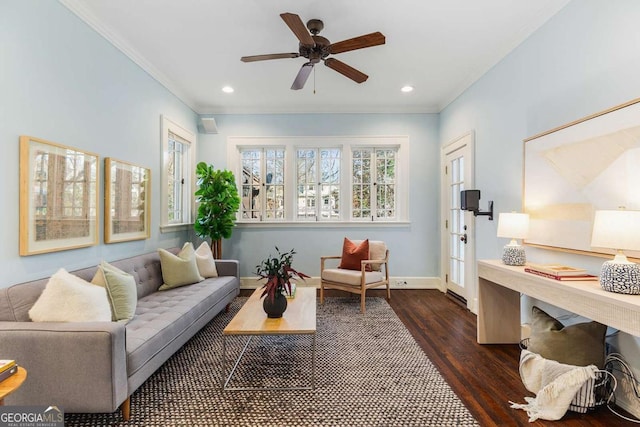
(581, 344)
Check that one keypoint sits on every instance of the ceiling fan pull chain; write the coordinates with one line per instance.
(314, 80)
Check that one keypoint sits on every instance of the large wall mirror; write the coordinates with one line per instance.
(58, 197)
(127, 208)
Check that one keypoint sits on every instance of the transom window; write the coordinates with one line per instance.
(332, 179)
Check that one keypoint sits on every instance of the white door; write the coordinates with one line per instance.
(458, 245)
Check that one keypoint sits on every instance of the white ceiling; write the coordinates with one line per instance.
(193, 47)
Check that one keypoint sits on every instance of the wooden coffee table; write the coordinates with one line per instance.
(251, 320)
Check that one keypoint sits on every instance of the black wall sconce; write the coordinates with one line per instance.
(470, 201)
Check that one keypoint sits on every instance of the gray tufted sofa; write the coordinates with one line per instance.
(96, 366)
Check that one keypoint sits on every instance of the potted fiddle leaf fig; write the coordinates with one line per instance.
(279, 273)
(219, 202)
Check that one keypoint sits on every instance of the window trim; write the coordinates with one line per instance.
(168, 125)
(346, 144)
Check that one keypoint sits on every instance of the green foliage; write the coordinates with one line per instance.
(218, 200)
(278, 272)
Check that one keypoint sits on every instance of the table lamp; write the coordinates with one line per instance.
(513, 226)
(618, 230)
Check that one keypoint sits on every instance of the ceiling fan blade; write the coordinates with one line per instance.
(254, 58)
(346, 70)
(302, 76)
(299, 29)
(368, 40)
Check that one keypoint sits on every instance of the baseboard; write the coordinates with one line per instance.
(396, 282)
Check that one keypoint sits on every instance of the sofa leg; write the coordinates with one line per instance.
(126, 409)
(227, 307)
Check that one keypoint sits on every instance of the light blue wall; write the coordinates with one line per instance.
(61, 81)
(584, 60)
(414, 249)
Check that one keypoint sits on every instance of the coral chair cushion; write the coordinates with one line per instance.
(353, 254)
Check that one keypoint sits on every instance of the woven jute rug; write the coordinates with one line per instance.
(369, 372)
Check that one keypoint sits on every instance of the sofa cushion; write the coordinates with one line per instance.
(351, 277)
(204, 260)
(68, 298)
(179, 270)
(353, 254)
(163, 316)
(121, 290)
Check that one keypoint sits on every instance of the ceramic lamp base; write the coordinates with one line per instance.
(513, 255)
(621, 278)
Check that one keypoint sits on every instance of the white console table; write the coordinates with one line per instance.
(500, 286)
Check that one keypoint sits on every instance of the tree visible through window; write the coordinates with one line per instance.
(318, 183)
(263, 184)
(321, 179)
(177, 199)
(373, 183)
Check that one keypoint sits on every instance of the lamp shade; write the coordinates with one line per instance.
(616, 229)
(513, 225)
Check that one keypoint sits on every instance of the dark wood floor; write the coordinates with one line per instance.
(485, 377)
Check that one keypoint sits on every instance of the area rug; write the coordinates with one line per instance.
(369, 372)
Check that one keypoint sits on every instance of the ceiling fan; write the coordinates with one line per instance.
(317, 48)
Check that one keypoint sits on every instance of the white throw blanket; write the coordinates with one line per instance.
(555, 385)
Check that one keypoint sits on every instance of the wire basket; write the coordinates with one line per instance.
(594, 393)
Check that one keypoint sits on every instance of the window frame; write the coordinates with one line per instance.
(346, 144)
(188, 168)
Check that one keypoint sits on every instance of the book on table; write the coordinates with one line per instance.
(6, 364)
(8, 372)
(575, 277)
(557, 269)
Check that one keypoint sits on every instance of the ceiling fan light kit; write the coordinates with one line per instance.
(316, 48)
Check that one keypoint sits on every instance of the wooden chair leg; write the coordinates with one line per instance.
(126, 409)
(362, 298)
(388, 291)
(321, 292)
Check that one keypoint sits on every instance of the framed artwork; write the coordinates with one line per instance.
(576, 169)
(58, 197)
(127, 213)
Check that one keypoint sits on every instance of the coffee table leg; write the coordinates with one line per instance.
(224, 360)
(313, 364)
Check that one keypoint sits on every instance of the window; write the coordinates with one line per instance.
(262, 184)
(318, 183)
(178, 146)
(374, 183)
(321, 180)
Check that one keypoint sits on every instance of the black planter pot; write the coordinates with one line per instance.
(274, 308)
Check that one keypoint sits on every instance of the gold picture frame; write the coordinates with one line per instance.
(58, 197)
(127, 208)
(575, 169)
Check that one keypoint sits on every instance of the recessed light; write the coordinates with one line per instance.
(227, 89)
(407, 89)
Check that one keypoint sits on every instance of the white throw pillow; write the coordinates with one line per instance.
(205, 261)
(68, 298)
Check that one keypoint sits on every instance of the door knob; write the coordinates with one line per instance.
(463, 238)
